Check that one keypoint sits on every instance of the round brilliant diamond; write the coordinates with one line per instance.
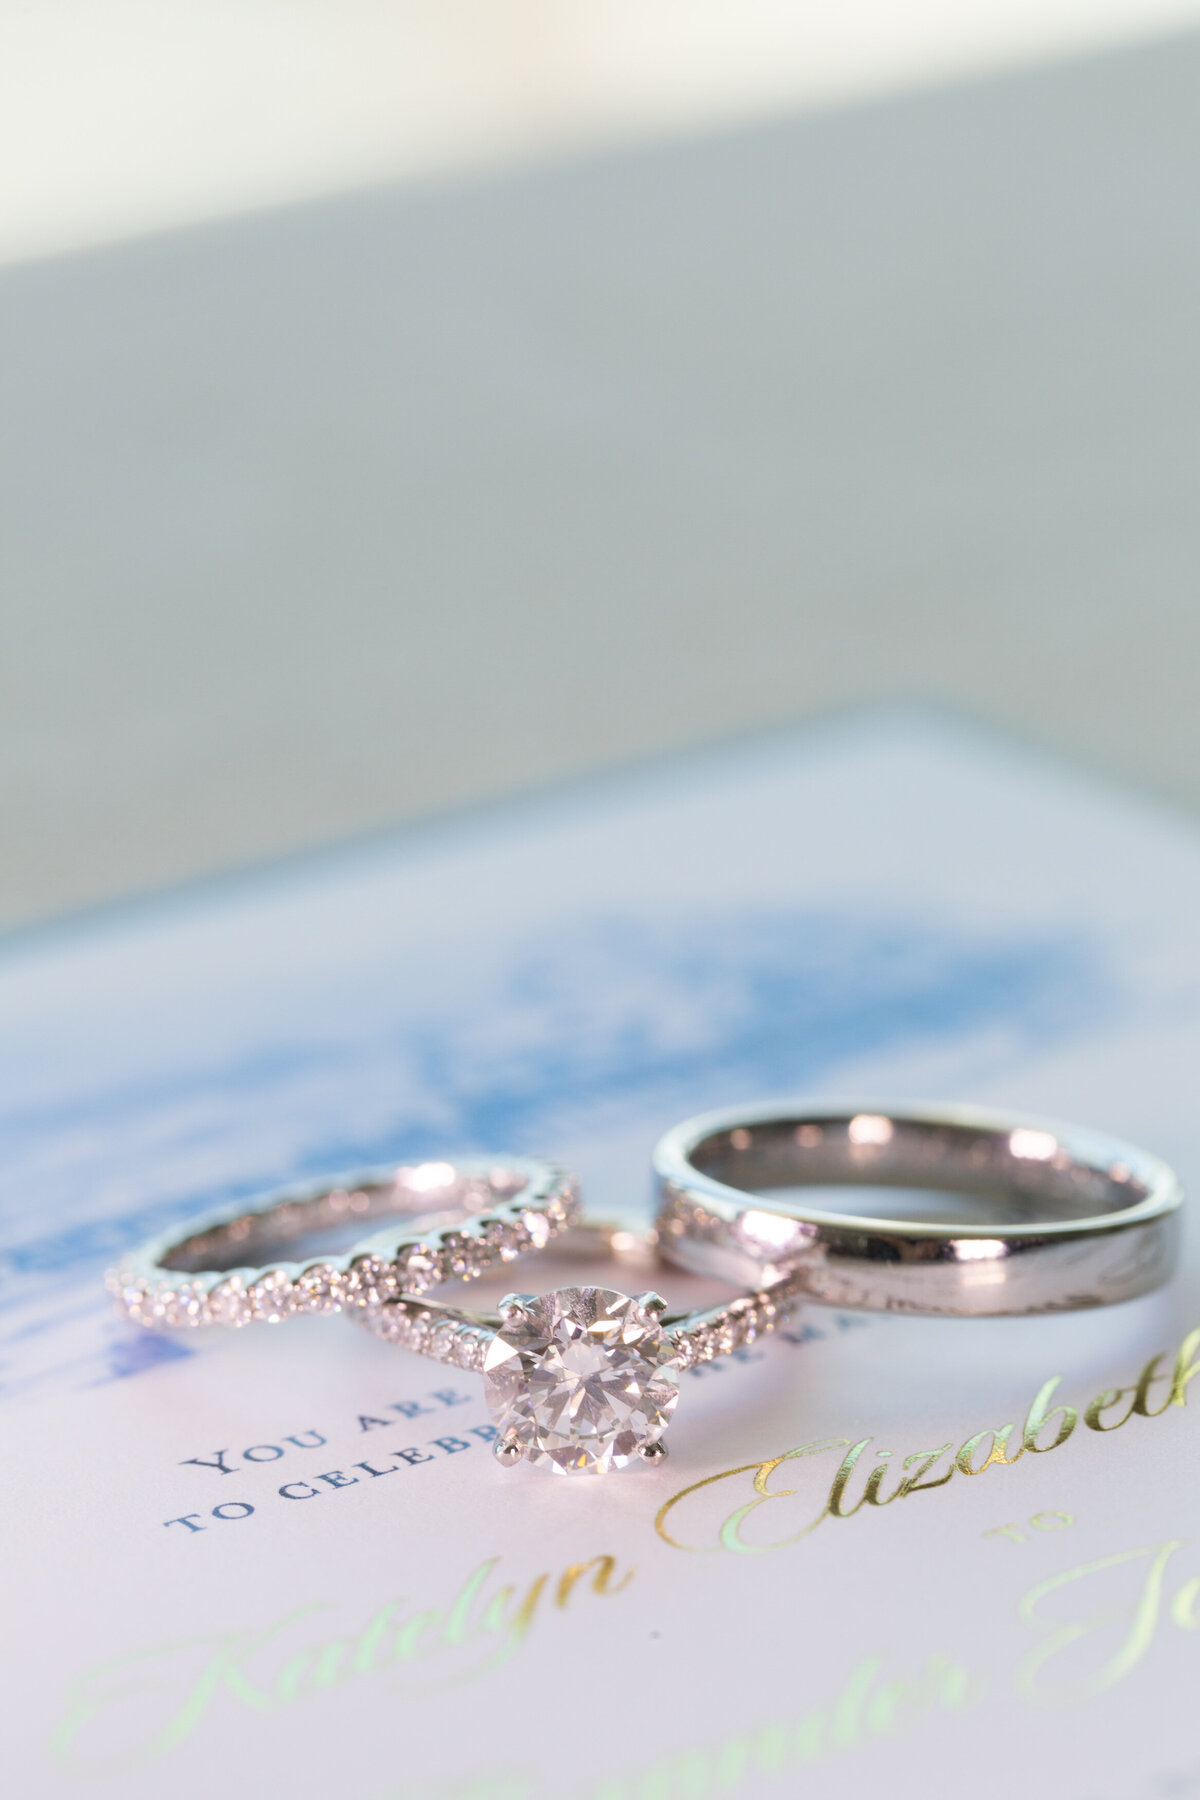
(582, 1379)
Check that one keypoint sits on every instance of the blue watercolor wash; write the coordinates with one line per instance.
(608, 1021)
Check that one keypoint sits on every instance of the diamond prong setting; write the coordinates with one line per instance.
(517, 1306)
(581, 1380)
(652, 1302)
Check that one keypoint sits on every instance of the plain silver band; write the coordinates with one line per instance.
(1067, 1218)
(451, 1334)
(478, 1212)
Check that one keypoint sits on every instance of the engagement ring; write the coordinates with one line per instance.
(583, 1379)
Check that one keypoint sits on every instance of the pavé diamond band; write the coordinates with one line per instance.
(1060, 1217)
(478, 1212)
(584, 1379)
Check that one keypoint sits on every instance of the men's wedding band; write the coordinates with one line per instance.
(478, 1212)
(1060, 1217)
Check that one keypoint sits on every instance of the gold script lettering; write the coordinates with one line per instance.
(997, 1451)
(105, 1729)
(1037, 1417)
(866, 1708)
(1142, 1622)
(928, 1459)
(601, 1580)
(730, 1538)
(1041, 1420)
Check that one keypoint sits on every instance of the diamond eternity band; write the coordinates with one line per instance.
(479, 1213)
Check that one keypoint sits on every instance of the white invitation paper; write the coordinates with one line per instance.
(283, 1560)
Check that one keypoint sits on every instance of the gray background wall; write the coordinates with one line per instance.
(338, 515)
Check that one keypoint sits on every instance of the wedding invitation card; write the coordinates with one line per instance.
(884, 1552)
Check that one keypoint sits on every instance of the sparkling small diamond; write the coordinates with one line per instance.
(472, 1347)
(459, 1255)
(441, 1339)
(135, 1299)
(584, 1377)
(417, 1326)
(504, 1240)
(370, 1280)
(387, 1322)
(191, 1305)
(728, 1335)
(229, 1303)
(539, 1227)
(420, 1269)
(271, 1297)
(164, 1307)
(319, 1289)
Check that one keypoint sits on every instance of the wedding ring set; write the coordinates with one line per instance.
(586, 1379)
